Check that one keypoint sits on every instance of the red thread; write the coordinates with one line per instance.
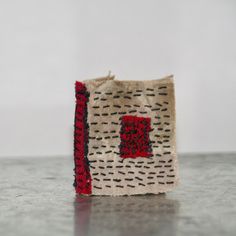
(134, 137)
(82, 181)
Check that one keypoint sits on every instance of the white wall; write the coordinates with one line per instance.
(46, 45)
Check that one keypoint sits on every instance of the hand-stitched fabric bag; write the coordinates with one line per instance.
(124, 137)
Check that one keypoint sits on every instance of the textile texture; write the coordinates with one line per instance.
(125, 136)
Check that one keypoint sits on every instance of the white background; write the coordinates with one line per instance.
(46, 45)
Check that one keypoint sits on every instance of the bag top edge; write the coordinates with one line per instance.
(112, 77)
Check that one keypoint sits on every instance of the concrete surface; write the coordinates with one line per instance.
(37, 198)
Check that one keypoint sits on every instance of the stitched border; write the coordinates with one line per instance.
(82, 181)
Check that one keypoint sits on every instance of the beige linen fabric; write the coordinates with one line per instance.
(109, 100)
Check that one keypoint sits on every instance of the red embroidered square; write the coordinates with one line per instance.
(134, 135)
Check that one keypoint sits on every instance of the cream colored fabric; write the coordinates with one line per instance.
(111, 174)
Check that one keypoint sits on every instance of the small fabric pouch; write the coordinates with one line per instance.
(125, 136)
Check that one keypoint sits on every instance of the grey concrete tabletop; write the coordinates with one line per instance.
(37, 198)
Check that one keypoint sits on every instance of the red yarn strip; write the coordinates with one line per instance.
(82, 181)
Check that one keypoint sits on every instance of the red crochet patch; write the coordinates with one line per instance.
(134, 135)
(82, 181)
